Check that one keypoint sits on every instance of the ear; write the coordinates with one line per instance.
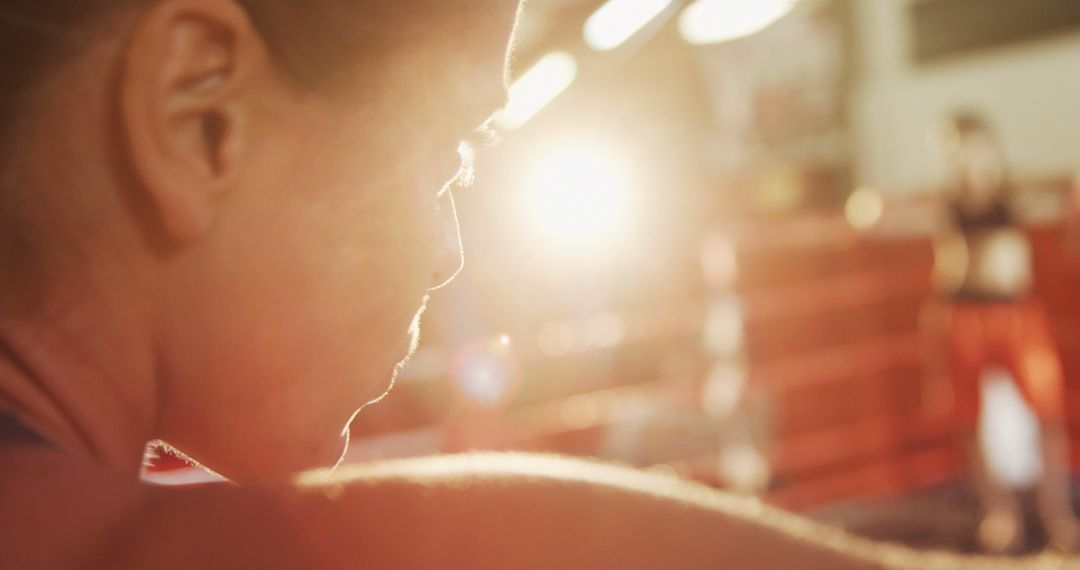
(187, 71)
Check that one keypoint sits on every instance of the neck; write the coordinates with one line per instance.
(82, 377)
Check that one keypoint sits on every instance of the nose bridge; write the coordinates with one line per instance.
(450, 259)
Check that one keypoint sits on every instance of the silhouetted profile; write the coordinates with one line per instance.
(219, 220)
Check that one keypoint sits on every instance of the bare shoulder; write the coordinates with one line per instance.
(478, 511)
(60, 512)
(546, 511)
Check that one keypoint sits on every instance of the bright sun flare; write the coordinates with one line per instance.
(578, 197)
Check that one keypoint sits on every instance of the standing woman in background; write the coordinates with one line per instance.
(984, 267)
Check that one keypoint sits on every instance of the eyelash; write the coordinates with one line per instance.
(482, 137)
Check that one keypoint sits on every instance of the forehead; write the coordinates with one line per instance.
(460, 72)
(481, 46)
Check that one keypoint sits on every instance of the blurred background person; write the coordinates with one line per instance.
(983, 316)
(985, 273)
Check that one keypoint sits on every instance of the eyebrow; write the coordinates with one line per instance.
(490, 107)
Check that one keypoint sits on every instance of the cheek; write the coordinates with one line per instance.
(317, 296)
(361, 240)
(369, 262)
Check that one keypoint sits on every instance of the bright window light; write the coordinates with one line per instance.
(577, 197)
(536, 88)
(714, 21)
(618, 21)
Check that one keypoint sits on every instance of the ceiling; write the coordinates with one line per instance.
(543, 16)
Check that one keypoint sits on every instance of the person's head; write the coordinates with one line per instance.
(972, 152)
(262, 181)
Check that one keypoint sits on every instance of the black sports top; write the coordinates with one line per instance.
(997, 215)
(14, 433)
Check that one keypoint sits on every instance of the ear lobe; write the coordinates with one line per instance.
(183, 88)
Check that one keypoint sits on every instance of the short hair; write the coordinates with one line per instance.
(968, 122)
(313, 40)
